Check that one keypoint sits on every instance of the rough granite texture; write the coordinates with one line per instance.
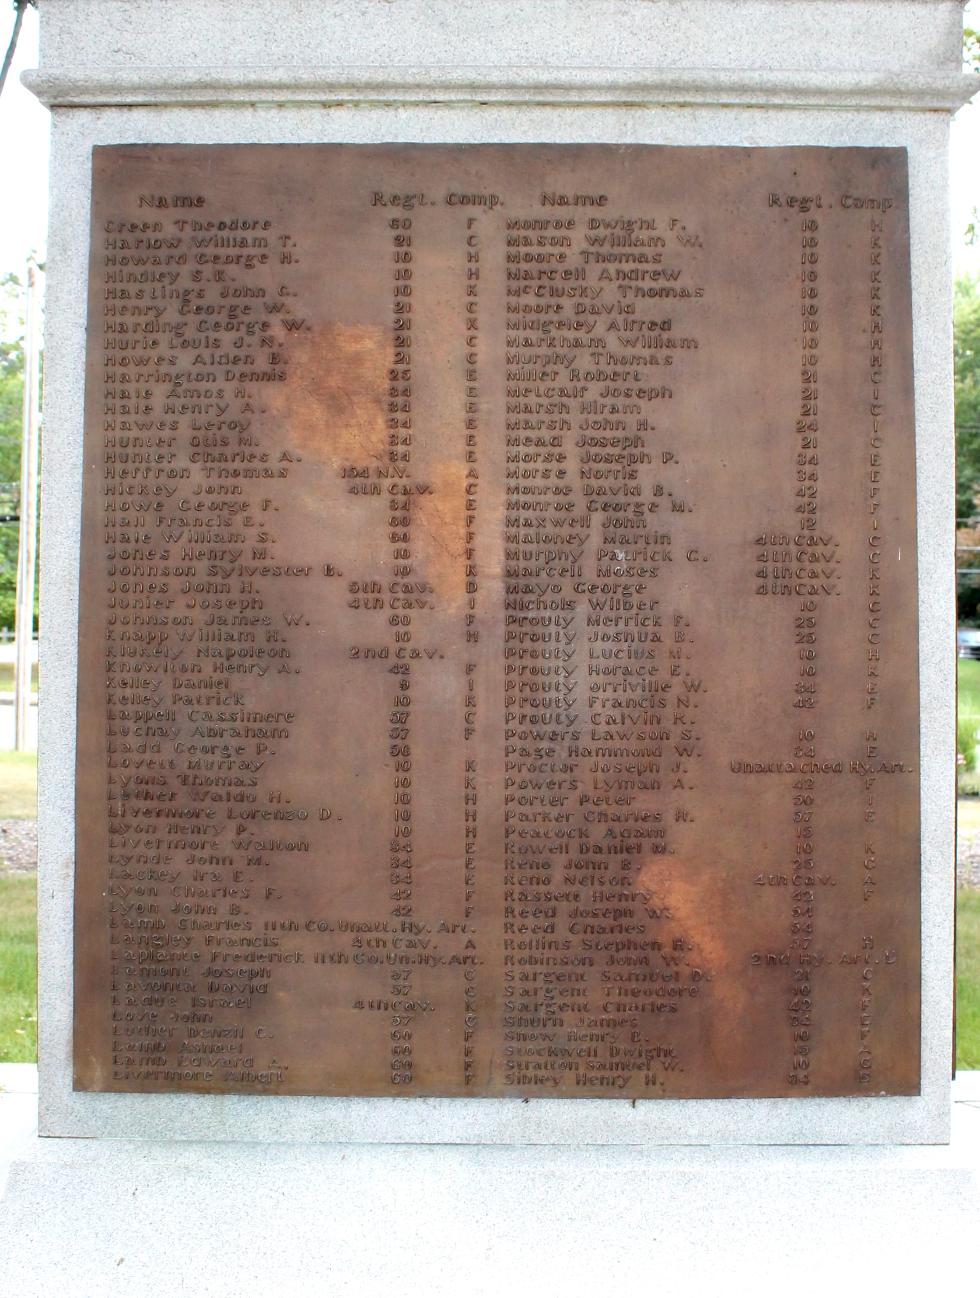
(890, 36)
(123, 1219)
(822, 53)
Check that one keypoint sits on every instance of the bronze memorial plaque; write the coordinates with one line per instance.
(498, 623)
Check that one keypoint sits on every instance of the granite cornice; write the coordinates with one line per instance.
(166, 87)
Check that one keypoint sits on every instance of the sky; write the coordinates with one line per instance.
(23, 153)
(24, 159)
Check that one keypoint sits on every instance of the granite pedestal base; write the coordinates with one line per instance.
(131, 1219)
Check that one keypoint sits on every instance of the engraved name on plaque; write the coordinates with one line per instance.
(498, 623)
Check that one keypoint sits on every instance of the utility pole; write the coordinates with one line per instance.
(27, 541)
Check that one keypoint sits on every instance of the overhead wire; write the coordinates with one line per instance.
(19, 7)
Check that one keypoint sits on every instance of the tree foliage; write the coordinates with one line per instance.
(971, 49)
(966, 390)
(966, 380)
(971, 59)
(11, 375)
(11, 414)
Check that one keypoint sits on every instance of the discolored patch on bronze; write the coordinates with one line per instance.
(439, 532)
(334, 406)
(698, 897)
(680, 888)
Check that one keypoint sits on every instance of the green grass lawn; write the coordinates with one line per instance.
(968, 685)
(968, 815)
(968, 723)
(18, 969)
(7, 678)
(18, 785)
(18, 920)
(968, 900)
(968, 978)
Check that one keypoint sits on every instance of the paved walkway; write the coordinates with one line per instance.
(18, 846)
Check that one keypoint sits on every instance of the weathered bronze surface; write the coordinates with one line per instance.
(498, 623)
